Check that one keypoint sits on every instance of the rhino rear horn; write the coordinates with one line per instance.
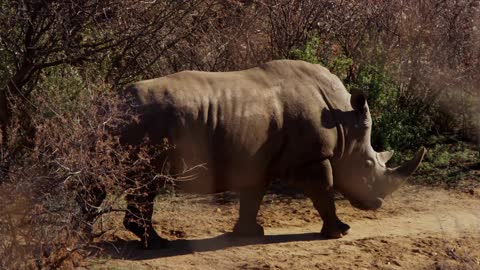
(385, 156)
(409, 167)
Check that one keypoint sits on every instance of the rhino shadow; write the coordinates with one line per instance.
(131, 250)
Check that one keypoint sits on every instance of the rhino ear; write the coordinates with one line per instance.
(358, 100)
(385, 156)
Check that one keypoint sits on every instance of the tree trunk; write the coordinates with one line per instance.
(8, 95)
(4, 117)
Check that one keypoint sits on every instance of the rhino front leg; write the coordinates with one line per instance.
(247, 225)
(322, 195)
(138, 220)
(324, 202)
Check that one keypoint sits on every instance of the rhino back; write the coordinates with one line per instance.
(263, 120)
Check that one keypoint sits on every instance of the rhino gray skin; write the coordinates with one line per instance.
(285, 119)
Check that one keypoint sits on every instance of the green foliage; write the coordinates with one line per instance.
(61, 87)
(449, 164)
(309, 52)
(399, 122)
(338, 65)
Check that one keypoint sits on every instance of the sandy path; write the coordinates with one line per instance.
(450, 223)
(431, 229)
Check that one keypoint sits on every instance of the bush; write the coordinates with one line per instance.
(400, 120)
(403, 120)
(309, 52)
(339, 64)
(450, 164)
(55, 192)
(59, 154)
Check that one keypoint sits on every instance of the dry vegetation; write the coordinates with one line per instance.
(62, 64)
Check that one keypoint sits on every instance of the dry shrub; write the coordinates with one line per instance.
(62, 155)
(61, 158)
(430, 48)
(292, 23)
(231, 38)
(55, 192)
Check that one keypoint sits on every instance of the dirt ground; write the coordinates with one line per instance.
(417, 228)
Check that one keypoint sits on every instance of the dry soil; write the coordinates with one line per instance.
(417, 228)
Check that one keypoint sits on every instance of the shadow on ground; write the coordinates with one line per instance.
(131, 250)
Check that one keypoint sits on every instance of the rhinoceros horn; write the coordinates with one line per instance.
(397, 176)
(409, 167)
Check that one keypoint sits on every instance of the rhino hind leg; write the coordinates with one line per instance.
(138, 220)
(247, 225)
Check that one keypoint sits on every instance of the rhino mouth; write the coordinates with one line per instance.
(367, 204)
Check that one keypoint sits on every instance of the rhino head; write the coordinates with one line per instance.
(360, 173)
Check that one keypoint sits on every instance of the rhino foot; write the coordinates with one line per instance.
(248, 230)
(155, 242)
(329, 233)
(344, 228)
(334, 231)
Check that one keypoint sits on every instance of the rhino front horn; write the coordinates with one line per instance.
(409, 167)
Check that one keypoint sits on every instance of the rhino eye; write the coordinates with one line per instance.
(369, 164)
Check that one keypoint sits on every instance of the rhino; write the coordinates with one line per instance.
(288, 120)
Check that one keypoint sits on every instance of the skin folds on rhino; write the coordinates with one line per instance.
(287, 120)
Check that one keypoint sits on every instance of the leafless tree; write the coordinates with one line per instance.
(125, 38)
